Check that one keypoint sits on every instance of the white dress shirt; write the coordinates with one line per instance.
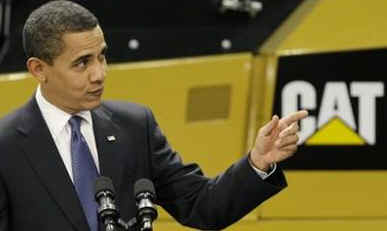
(57, 122)
(263, 174)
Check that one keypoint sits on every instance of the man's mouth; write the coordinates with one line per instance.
(96, 92)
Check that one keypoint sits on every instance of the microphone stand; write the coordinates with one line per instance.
(146, 225)
(111, 224)
(108, 213)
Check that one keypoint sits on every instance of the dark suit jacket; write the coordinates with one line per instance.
(36, 192)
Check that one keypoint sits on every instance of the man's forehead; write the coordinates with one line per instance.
(77, 43)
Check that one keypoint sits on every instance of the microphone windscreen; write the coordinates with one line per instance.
(144, 185)
(104, 183)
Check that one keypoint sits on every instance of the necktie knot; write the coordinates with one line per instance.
(75, 123)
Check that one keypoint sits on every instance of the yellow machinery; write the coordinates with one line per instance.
(211, 107)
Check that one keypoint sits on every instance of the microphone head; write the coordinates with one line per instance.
(144, 185)
(104, 183)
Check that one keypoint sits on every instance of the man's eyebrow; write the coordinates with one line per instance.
(87, 56)
(83, 57)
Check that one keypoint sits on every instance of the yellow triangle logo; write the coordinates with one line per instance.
(335, 132)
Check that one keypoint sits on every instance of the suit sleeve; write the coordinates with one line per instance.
(3, 208)
(200, 202)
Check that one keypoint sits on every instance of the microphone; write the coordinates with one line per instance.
(144, 191)
(104, 195)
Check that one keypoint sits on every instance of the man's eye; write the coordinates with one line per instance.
(82, 63)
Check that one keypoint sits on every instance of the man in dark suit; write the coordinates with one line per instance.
(53, 148)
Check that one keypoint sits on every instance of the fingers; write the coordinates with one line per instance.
(292, 129)
(294, 117)
(287, 141)
(277, 140)
(285, 153)
(288, 136)
(267, 129)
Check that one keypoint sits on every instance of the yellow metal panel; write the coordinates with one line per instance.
(319, 194)
(331, 25)
(15, 90)
(315, 225)
(257, 92)
(262, 93)
(291, 225)
(169, 225)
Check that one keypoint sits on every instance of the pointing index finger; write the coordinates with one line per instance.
(294, 117)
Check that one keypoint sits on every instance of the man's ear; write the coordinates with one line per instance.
(37, 68)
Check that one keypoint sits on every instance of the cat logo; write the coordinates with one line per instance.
(335, 123)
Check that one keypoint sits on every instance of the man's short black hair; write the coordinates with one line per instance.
(44, 28)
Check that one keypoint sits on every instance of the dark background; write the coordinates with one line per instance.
(164, 29)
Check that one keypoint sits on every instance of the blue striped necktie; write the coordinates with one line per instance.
(84, 172)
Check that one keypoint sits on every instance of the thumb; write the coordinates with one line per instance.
(269, 127)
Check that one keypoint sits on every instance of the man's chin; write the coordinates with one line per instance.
(92, 105)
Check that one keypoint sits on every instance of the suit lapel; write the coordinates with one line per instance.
(44, 157)
(110, 141)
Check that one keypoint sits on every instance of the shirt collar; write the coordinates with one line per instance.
(55, 117)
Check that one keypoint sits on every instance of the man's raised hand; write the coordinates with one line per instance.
(276, 140)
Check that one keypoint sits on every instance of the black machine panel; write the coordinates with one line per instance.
(345, 95)
(147, 30)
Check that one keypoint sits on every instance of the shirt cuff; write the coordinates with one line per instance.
(263, 174)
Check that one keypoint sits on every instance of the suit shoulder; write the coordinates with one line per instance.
(127, 109)
(9, 123)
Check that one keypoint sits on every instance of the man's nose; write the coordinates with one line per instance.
(99, 72)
